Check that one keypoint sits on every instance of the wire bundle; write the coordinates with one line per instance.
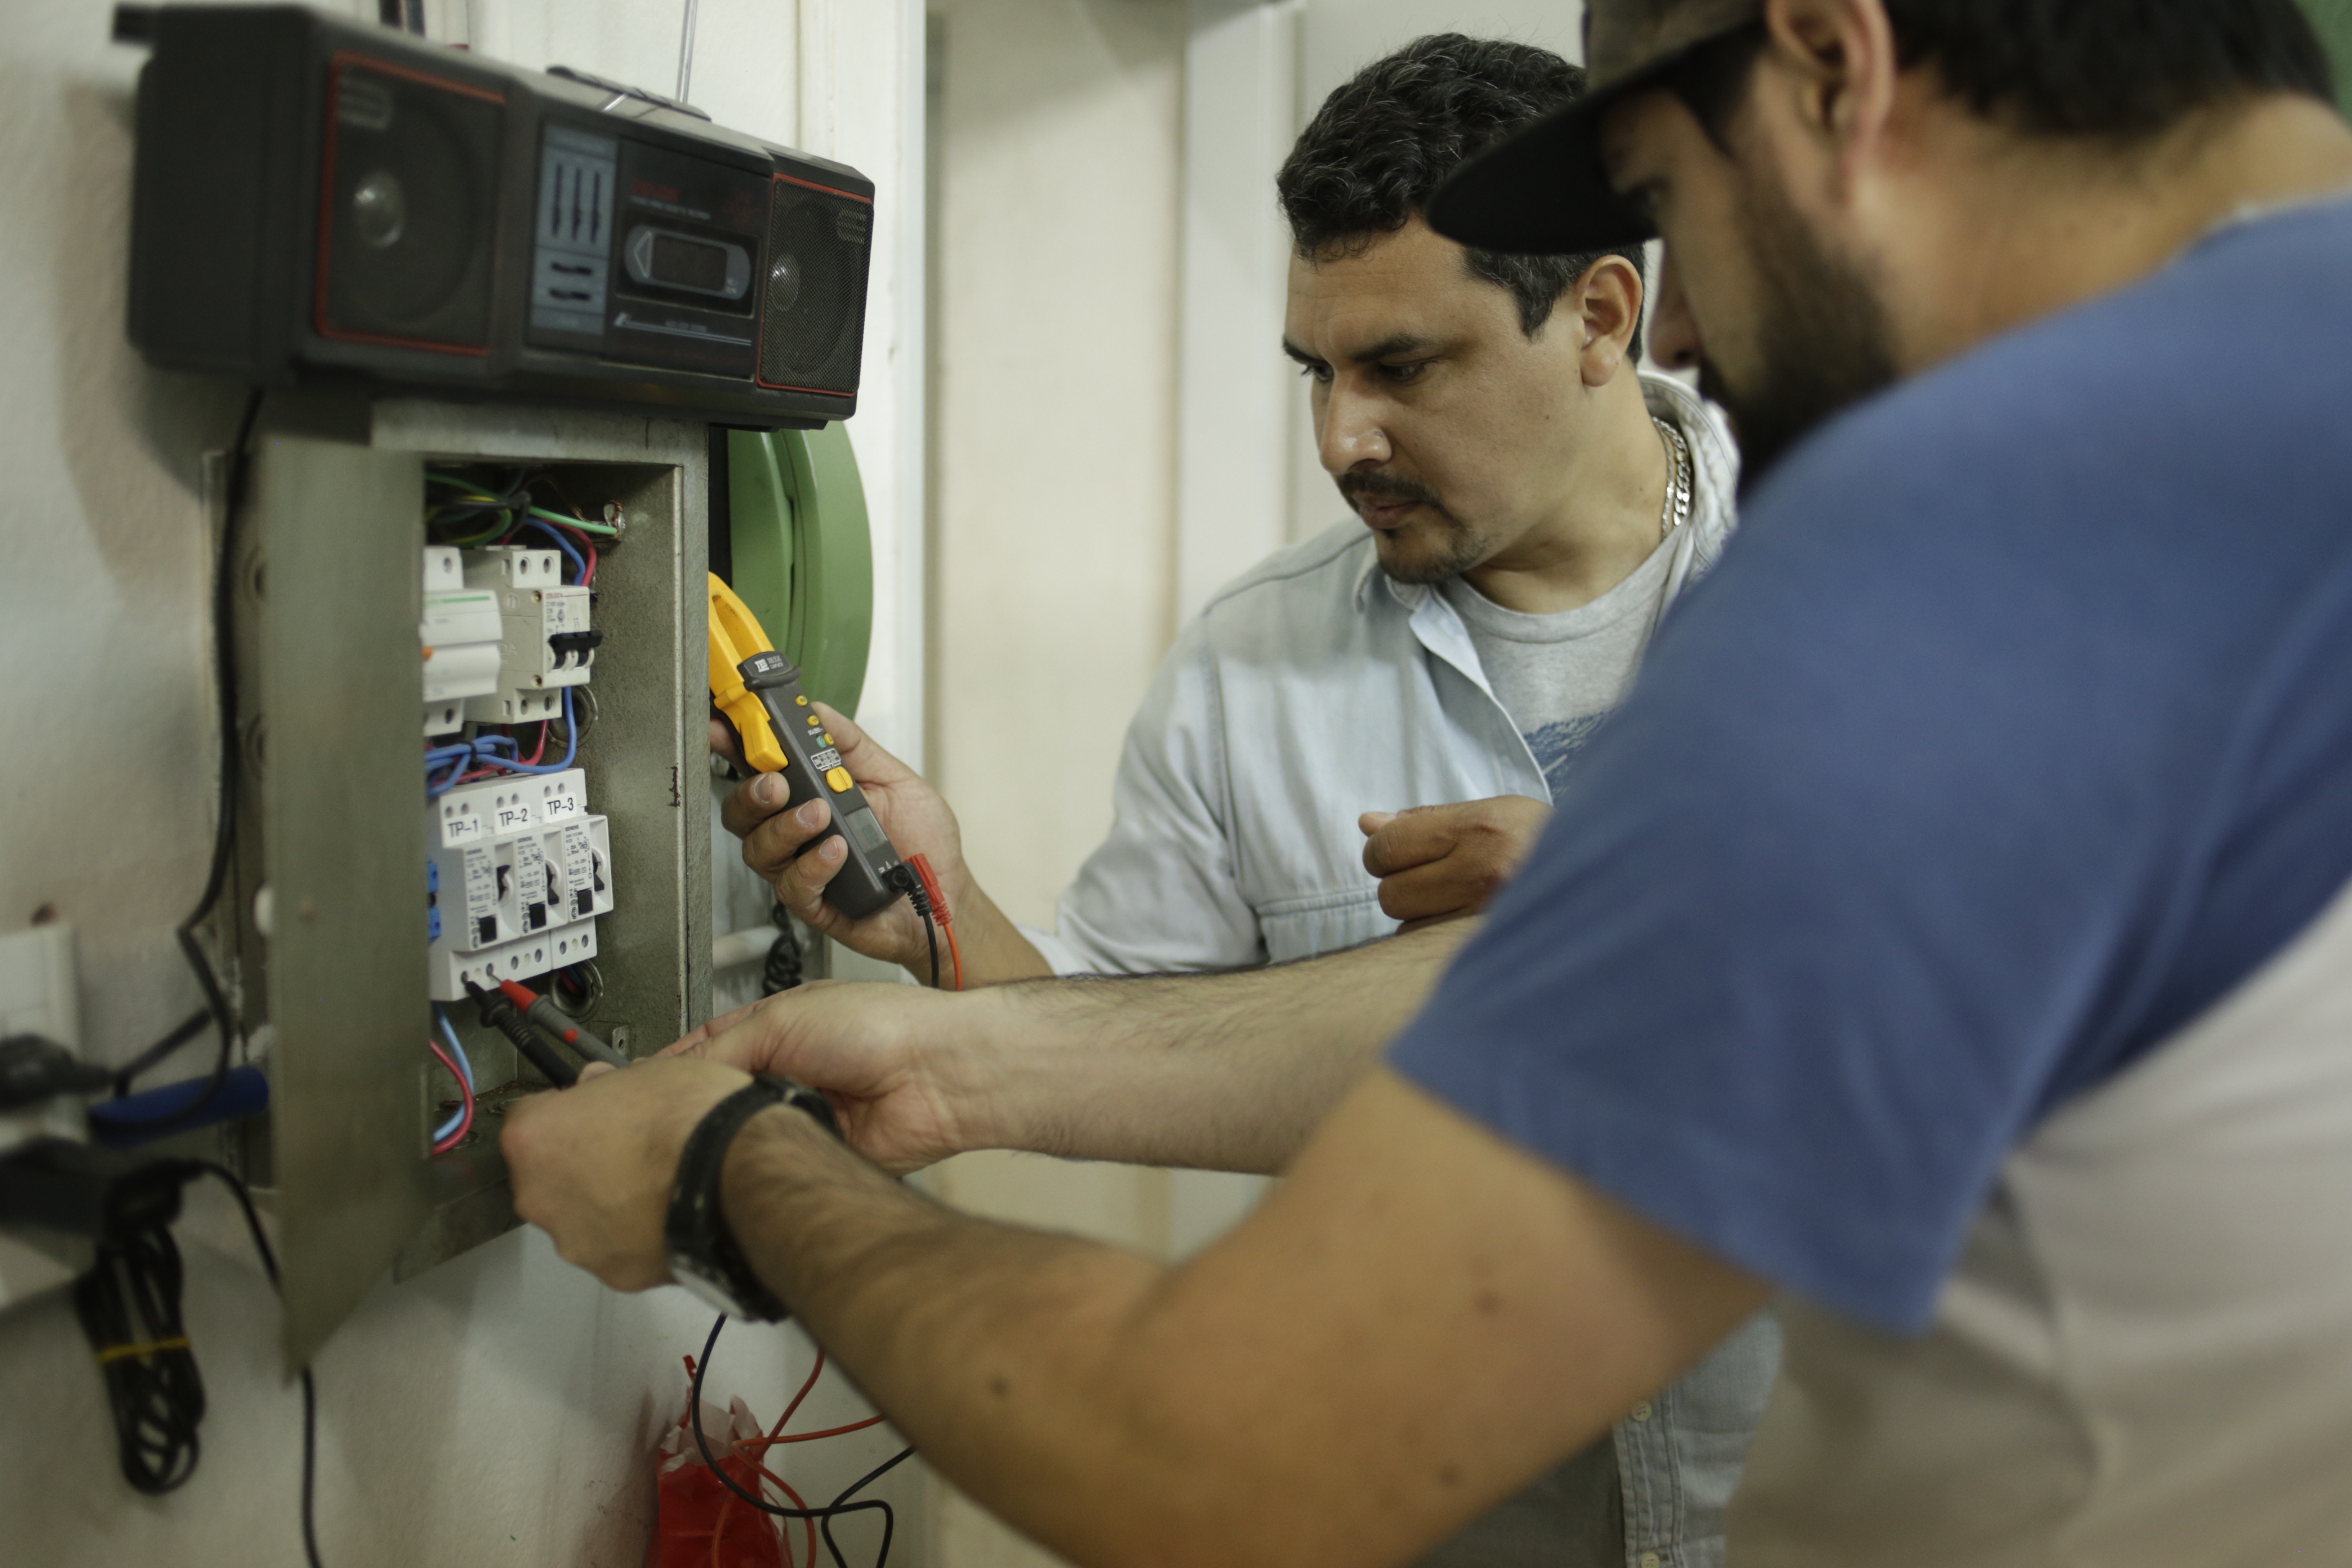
(824, 1516)
(446, 767)
(452, 1133)
(459, 520)
(129, 1304)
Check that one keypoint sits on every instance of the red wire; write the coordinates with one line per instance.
(588, 570)
(814, 1373)
(748, 1449)
(940, 911)
(763, 1443)
(464, 1088)
(540, 749)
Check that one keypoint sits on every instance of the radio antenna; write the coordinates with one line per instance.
(686, 51)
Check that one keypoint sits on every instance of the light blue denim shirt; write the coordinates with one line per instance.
(1313, 689)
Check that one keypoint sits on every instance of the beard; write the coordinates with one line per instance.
(1434, 547)
(1823, 344)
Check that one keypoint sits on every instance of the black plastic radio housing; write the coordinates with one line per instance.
(324, 202)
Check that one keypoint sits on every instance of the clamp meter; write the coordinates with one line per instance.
(758, 692)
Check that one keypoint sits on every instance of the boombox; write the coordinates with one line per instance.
(322, 202)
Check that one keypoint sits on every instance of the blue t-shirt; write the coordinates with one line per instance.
(2013, 731)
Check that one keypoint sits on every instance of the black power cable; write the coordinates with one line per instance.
(129, 1304)
(781, 972)
(239, 1191)
(840, 1504)
(240, 466)
(904, 878)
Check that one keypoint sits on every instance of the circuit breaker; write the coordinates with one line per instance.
(461, 632)
(545, 640)
(517, 870)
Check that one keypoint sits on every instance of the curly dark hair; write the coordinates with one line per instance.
(1381, 142)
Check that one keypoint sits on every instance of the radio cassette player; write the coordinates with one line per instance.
(322, 202)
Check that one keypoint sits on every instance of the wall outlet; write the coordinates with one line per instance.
(38, 994)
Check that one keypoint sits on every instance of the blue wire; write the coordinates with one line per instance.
(449, 1033)
(465, 1067)
(570, 747)
(579, 565)
(436, 788)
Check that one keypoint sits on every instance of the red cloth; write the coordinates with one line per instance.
(690, 1503)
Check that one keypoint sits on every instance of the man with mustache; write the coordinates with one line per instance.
(1950, 934)
(1530, 504)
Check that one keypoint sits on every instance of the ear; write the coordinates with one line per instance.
(1604, 306)
(1840, 57)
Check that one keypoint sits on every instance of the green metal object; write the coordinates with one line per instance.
(2332, 18)
(803, 557)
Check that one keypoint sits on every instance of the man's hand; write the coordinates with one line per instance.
(592, 1165)
(918, 820)
(862, 1046)
(1438, 862)
(911, 811)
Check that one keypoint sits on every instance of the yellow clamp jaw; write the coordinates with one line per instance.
(760, 692)
(736, 636)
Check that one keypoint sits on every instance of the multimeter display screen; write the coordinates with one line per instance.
(865, 830)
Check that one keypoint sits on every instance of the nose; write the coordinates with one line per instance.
(1674, 340)
(1351, 431)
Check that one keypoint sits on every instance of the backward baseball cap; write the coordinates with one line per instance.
(1542, 192)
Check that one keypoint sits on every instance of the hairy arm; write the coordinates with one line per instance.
(1415, 1324)
(1218, 1072)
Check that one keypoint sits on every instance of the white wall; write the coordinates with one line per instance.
(1056, 261)
(503, 1407)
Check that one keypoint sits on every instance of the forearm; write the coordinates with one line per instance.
(937, 1315)
(1219, 1072)
(995, 951)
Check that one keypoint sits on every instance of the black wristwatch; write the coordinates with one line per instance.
(702, 1253)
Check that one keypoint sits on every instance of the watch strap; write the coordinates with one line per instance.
(702, 1250)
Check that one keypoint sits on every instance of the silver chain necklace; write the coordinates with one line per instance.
(1678, 479)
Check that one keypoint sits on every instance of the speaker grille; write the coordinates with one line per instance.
(813, 314)
(409, 201)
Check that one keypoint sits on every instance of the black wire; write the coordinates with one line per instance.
(782, 970)
(840, 1504)
(309, 1388)
(904, 878)
(187, 1029)
(129, 1304)
(240, 466)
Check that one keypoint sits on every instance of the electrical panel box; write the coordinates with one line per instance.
(550, 827)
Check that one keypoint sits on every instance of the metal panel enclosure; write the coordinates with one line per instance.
(336, 985)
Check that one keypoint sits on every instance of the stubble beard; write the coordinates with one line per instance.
(1434, 547)
(1823, 343)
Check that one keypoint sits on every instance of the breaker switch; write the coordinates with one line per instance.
(571, 649)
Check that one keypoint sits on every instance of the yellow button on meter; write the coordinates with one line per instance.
(839, 779)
